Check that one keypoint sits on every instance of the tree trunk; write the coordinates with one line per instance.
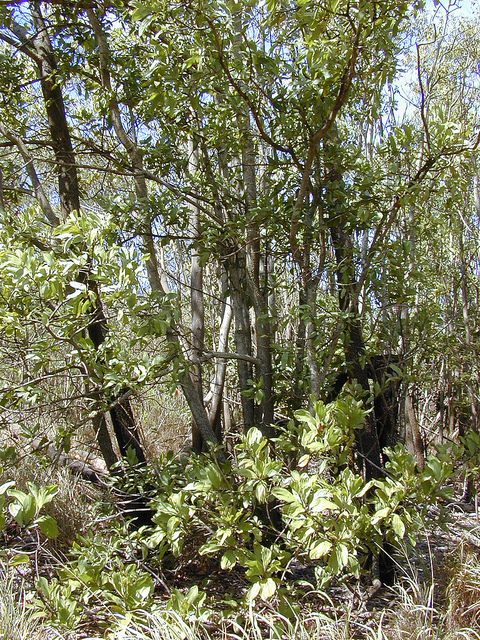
(414, 438)
(242, 337)
(69, 194)
(194, 401)
(197, 338)
(216, 388)
(368, 447)
(57, 120)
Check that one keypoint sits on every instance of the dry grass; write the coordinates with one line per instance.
(74, 499)
(165, 422)
(17, 621)
(463, 592)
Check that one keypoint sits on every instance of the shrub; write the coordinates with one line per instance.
(227, 513)
(331, 517)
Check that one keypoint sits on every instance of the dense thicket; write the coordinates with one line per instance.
(251, 211)
(305, 172)
(254, 203)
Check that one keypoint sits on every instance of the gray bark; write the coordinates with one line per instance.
(197, 337)
(218, 382)
(190, 392)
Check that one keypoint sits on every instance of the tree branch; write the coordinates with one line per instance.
(340, 100)
(32, 174)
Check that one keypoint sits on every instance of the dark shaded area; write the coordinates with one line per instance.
(383, 425)
(386, 401)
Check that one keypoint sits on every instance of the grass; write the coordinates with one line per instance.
(463, 592)
(411, 621)
(71, 505)
(169, 625)
(17, 620)
(166, 420)
(417, 611)
(255, 626)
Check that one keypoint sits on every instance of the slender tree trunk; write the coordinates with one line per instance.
(197, 338)
(468, 335)
(69, 193)
(414, 438)
(194, 401)
(258, 294)
(471, 355)
(220, 371)
(242, 337)
(413, 435)
(258, 298)
(57, 120)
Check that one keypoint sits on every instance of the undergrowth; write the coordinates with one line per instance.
(18, 621)
(253, 547)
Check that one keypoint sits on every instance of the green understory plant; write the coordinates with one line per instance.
(101, 577)
(18, 621)
(330, 517)
(252, 515)
(22, 510)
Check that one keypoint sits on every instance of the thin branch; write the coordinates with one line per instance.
(229, 356)
(256, 116)
(32, 174)
(340, 100)
(389, 216)
(423, 114)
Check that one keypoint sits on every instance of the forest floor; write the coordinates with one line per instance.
(436, 597)
(437, 593)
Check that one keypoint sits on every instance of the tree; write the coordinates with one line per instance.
(189, 164)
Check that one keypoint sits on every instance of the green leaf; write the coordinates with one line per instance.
(303, 461)
(46, 495)
(304, 416)
(322, 504)
(380, 515)
(141, 11)
(18, 559)
(253, 591)
(398, 525)
(268, 589)
(16, 512)
(143, 588)
(320, 549)
(43, 586)
(261, 493)
(228, 560)
(283, 494)
(48, 526)
(5, 486)
(342, 555)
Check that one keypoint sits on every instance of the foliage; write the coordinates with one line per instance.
(248, 203)
(332, 517)
(279, 84)
(17, 620)
(331, 520)
(23, 509)
(98, 577)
